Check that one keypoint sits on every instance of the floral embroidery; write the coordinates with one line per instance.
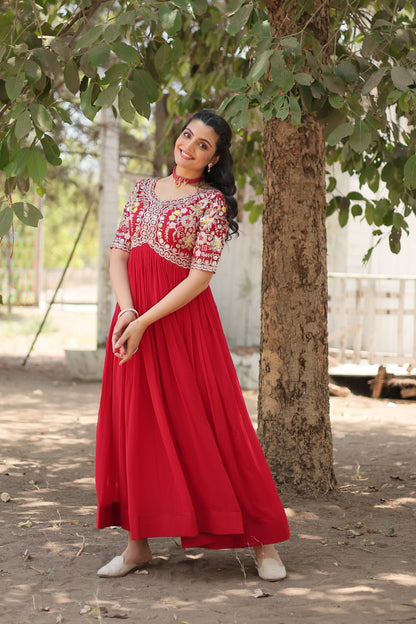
(189, 231)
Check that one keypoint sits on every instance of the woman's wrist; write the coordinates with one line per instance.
(128, 311)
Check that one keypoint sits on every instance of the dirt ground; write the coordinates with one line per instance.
(351, 557)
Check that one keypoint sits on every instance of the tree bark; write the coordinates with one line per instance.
(293, 413)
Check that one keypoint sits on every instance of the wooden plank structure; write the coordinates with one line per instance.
(358, 308)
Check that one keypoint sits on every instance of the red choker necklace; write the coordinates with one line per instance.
(180, 180)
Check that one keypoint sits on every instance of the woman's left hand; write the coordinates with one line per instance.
(129, 340)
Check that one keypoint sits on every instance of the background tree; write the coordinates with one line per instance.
(282, 61)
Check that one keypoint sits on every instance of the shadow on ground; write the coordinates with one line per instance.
(351, 557)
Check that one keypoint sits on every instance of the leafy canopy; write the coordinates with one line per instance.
(125, 54)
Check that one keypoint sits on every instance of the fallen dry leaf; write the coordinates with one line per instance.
(85, 609)
(26, 524)
(27, 556)
(259, 593)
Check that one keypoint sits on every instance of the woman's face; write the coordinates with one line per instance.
(195, 148)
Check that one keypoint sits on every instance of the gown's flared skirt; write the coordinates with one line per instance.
(177, 454)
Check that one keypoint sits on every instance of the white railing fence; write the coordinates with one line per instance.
(372, 317)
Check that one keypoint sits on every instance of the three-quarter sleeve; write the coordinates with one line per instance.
(211, 235)
(122, 239)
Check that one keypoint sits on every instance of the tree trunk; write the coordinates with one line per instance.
(293, 417)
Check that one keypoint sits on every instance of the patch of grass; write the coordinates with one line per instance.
(23, 326)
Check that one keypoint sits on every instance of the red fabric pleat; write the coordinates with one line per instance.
(177, 454)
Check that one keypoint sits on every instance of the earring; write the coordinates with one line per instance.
(209, 167)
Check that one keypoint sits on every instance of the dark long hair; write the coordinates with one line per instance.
(221, 175)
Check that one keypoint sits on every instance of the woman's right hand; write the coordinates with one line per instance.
(121, 324)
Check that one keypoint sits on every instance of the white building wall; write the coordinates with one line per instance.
(237, 284)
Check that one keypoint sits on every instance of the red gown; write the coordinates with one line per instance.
(177, 454)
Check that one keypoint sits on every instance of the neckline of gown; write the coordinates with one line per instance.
(154, 181)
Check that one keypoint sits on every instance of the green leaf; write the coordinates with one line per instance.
(36, 165)
(340, 132)
(115, 72)
(4, 154)
(71, 76)
(361, 137)
(143, 85)
(142, 106)
(234, 105)
(369, 45)
(237, 83)
(239, 19)
(125, 107)
(18, 163)
(112, 32)
(295, 110)
(90, 37)
(410, 172)
(99, 55)
(64, 114)
(336, 100)
(41, 117)
(107, 97)
(61, 49)
(184, 5)
(355, 195)
(23, 126)
(27, 213)
(374, 80)
(259, 68)
(162, 59)
(14, 86)
(233, 6)
(335, 84)
(32, 70)
(304, 79)
(282, 107)
(241, 120)
(126, 52)
(346, 71)
(284, 79)
(399, 222)
(171, 21)
(356, 210)
(402, 78)
(127, 17)
(290, 43)
(343, 217)
(6, 220)
(51, 150)
(394, 240)
(48, 61)
(199, 6)
(393, 96)
(87, 100)
(332, 182)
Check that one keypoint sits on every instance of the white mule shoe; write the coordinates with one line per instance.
(117, 567)
(271, 570)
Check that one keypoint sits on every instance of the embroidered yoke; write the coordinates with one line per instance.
(188, 231)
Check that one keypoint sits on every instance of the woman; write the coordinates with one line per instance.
(176, 451)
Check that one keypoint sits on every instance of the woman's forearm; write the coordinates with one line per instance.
(194, 284)
(119, 278)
